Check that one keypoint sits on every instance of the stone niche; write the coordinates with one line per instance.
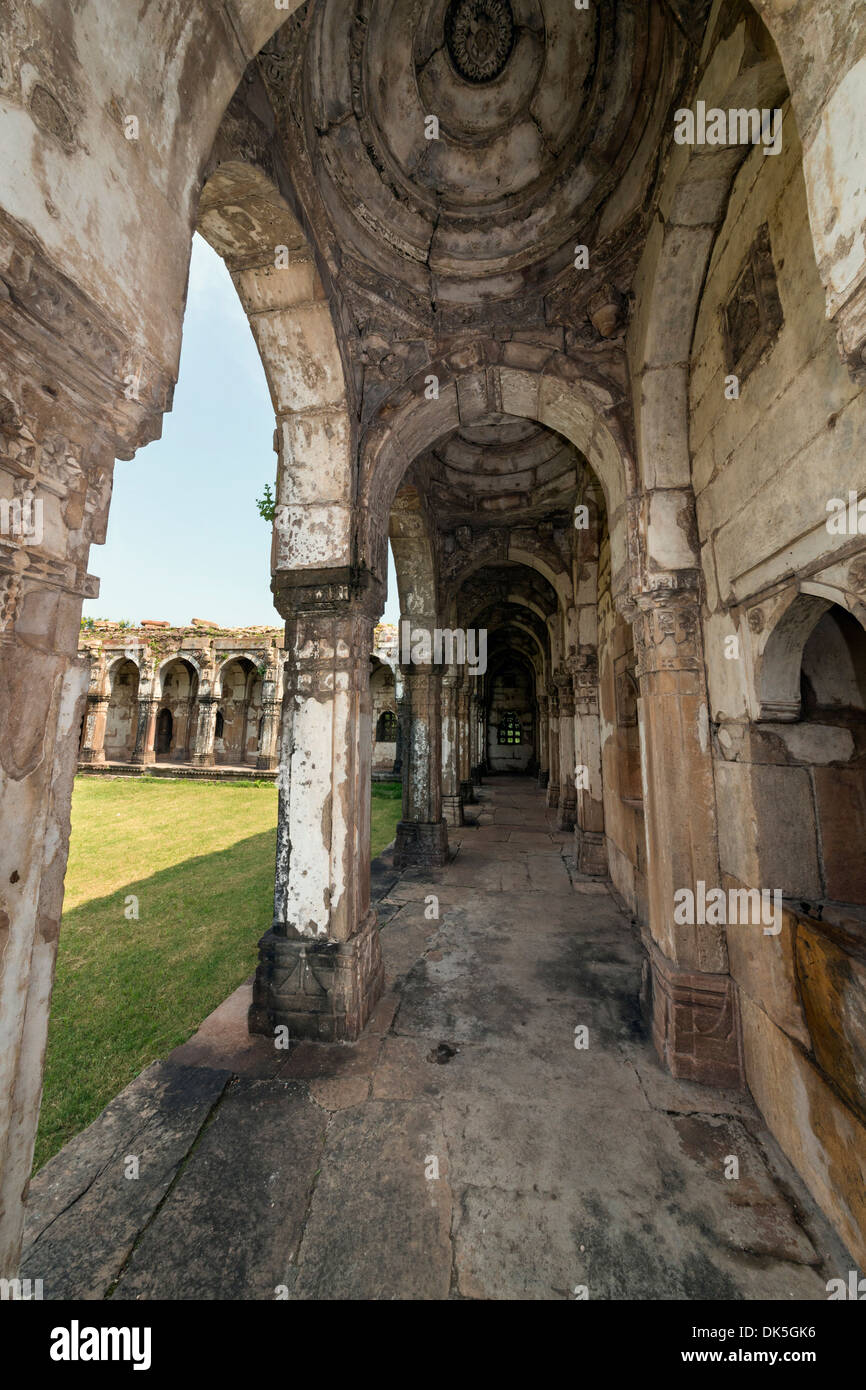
(752, 317)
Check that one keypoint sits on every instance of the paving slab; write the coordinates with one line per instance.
(231, 1225)
(88, 1205)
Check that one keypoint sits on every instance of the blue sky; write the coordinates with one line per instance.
(184, 537)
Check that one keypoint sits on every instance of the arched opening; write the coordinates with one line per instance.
(236, 739)
(833, 748)
(386, 727)
(175, 728)
(122, 715)
(511, 717)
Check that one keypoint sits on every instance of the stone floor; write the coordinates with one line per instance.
(464, 1148)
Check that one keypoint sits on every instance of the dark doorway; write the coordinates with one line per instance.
(164, 729)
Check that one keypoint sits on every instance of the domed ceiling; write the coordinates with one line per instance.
(503, 465)
(464, 147)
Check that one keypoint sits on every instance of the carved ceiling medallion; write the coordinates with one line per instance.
(480, 36)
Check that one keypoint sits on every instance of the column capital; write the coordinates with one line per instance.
(343, 591)
(566, 699)
(667, 631)
(584, 672)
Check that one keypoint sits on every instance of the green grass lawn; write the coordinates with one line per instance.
(199, 858)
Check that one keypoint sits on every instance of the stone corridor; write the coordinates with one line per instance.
(313, 1174)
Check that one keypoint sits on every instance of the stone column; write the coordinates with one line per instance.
(695, 1017)
(205, 713)
(479, 725)
(145, 730)
(464, 718)
(452, 805)
(267, 756)
(320, 969)
(543, 753)
(402, 716)
(96, 716)
(553, 744)
(64, 418)
(567, 785)
(422, 834)
(590, 844)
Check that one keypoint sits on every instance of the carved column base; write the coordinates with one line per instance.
(543, 779)
(265, 764)
(567, 811)
(452, 810)
(467, 794)
(322, 990)
(552, 794)
(419, 844)
(696, 1024)
(92, 755)
(202, 760)
(143, 759)
(590, 852)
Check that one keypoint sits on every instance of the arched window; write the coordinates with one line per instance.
(220, 724)
(386, 727)
(509, 729)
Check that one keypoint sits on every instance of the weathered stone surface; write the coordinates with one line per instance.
(231, 1224)
(799, 1106)
(86, 1210)
(392, 1240)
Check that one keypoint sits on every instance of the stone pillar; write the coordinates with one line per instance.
(695, 1016)
(543, 745)
(64, 418)
(452, 804)
(553, 744)
(267, 756)
(402, 715)
(320, 970)
(590, 844)
(467, 739)
(204, 713)
(567, 784)
(96, 716)
(477, 715)
(267, 753)
(422, 835)
(145, 730)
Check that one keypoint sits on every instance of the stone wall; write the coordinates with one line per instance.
(790, 754)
